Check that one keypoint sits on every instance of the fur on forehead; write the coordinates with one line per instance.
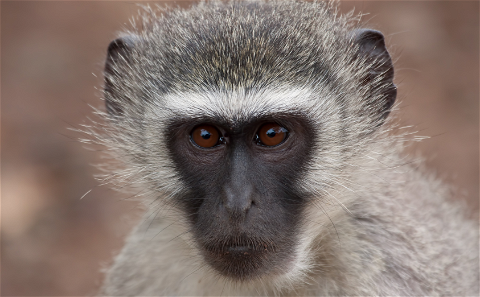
(243, 44)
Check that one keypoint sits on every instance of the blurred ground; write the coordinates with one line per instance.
(55, 244)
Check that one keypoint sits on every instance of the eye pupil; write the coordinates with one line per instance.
(271, 133)
(205, 134)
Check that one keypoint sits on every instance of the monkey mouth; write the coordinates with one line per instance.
(239, 244)
(239, 249)
(240, 259)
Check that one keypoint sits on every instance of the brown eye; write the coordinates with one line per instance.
(271, 134)
(205, 136)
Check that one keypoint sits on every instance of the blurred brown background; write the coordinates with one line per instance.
(53, 243)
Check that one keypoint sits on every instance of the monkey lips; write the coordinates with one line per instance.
(243, 258)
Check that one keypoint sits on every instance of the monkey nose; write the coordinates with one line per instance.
(238, 200)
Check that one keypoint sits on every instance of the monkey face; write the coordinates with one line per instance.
(241, 198)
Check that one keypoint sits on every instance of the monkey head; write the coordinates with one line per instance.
(239, 125)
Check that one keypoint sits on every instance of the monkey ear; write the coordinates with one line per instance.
(379, 76)
(119, 54)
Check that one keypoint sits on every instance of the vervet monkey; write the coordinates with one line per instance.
(257, 133)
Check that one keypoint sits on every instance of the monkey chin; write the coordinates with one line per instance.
(246, 260)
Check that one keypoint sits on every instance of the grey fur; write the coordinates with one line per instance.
(378, 225)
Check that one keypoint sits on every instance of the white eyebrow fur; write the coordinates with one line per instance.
(238, 104)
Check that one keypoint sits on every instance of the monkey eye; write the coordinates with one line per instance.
(206, 136)
(271, 134)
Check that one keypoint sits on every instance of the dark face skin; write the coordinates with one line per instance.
(241, 200)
